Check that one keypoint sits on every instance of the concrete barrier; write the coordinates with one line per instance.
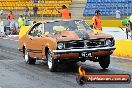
(123, 48)
(108, 23)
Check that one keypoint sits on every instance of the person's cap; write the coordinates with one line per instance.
(20, 15)
(97, 11)
(64, 6)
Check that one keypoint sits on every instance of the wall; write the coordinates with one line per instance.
(123, 48)
(108, 23)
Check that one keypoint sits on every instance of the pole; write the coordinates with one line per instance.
(42, 10)
(127, 32)
(131, 34)
(131, 30)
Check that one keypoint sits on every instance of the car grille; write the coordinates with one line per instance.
(74, 44)
(95, 43)
(84, 44)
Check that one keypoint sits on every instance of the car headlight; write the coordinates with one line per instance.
(60, 45)
(108, 42)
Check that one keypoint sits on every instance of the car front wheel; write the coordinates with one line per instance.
(104, 61)
(52, 63)
(27, 58)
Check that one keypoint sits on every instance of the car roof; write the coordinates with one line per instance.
(56, 20)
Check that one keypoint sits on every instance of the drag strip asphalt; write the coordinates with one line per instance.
(14, 73)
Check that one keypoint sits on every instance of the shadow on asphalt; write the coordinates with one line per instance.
(72, 68)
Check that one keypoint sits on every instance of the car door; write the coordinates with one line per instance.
(36, 41)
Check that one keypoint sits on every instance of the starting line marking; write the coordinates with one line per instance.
(9, 52)
(10, 39)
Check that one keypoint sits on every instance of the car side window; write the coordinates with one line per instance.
(36, 30)
(48, 27)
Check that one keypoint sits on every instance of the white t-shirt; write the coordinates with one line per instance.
(118, 15)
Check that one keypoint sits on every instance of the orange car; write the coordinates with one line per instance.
(64, 40)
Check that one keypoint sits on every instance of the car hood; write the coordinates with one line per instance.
(79, 35)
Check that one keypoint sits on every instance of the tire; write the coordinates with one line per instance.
(28, 59)
(104, 62)
(52, 63)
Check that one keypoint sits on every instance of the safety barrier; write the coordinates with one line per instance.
(108, 23)
(123, 48)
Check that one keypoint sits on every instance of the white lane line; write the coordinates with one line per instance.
(13, 39)
(5, 38)
(9, 52)
(16, 40)
(121, 58)
(10, 39)
(12, 35)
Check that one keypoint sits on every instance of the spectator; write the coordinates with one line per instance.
(130, 26)
(35, 1)
(10, 16)
(1, 12)
(21, 21)
(118, 14)
(35, 10)
(97, 21)
(130, 18)
(64, 12)
(39, 1)
(26, 10)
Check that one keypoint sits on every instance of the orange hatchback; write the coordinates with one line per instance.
(64, 40)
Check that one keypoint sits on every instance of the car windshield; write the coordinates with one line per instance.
(73, 25)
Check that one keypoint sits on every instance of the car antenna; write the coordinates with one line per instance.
(43, 9)
(52, 12)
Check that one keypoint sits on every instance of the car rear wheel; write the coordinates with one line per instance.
(104, 61)
(27, 58)
(52, 63)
